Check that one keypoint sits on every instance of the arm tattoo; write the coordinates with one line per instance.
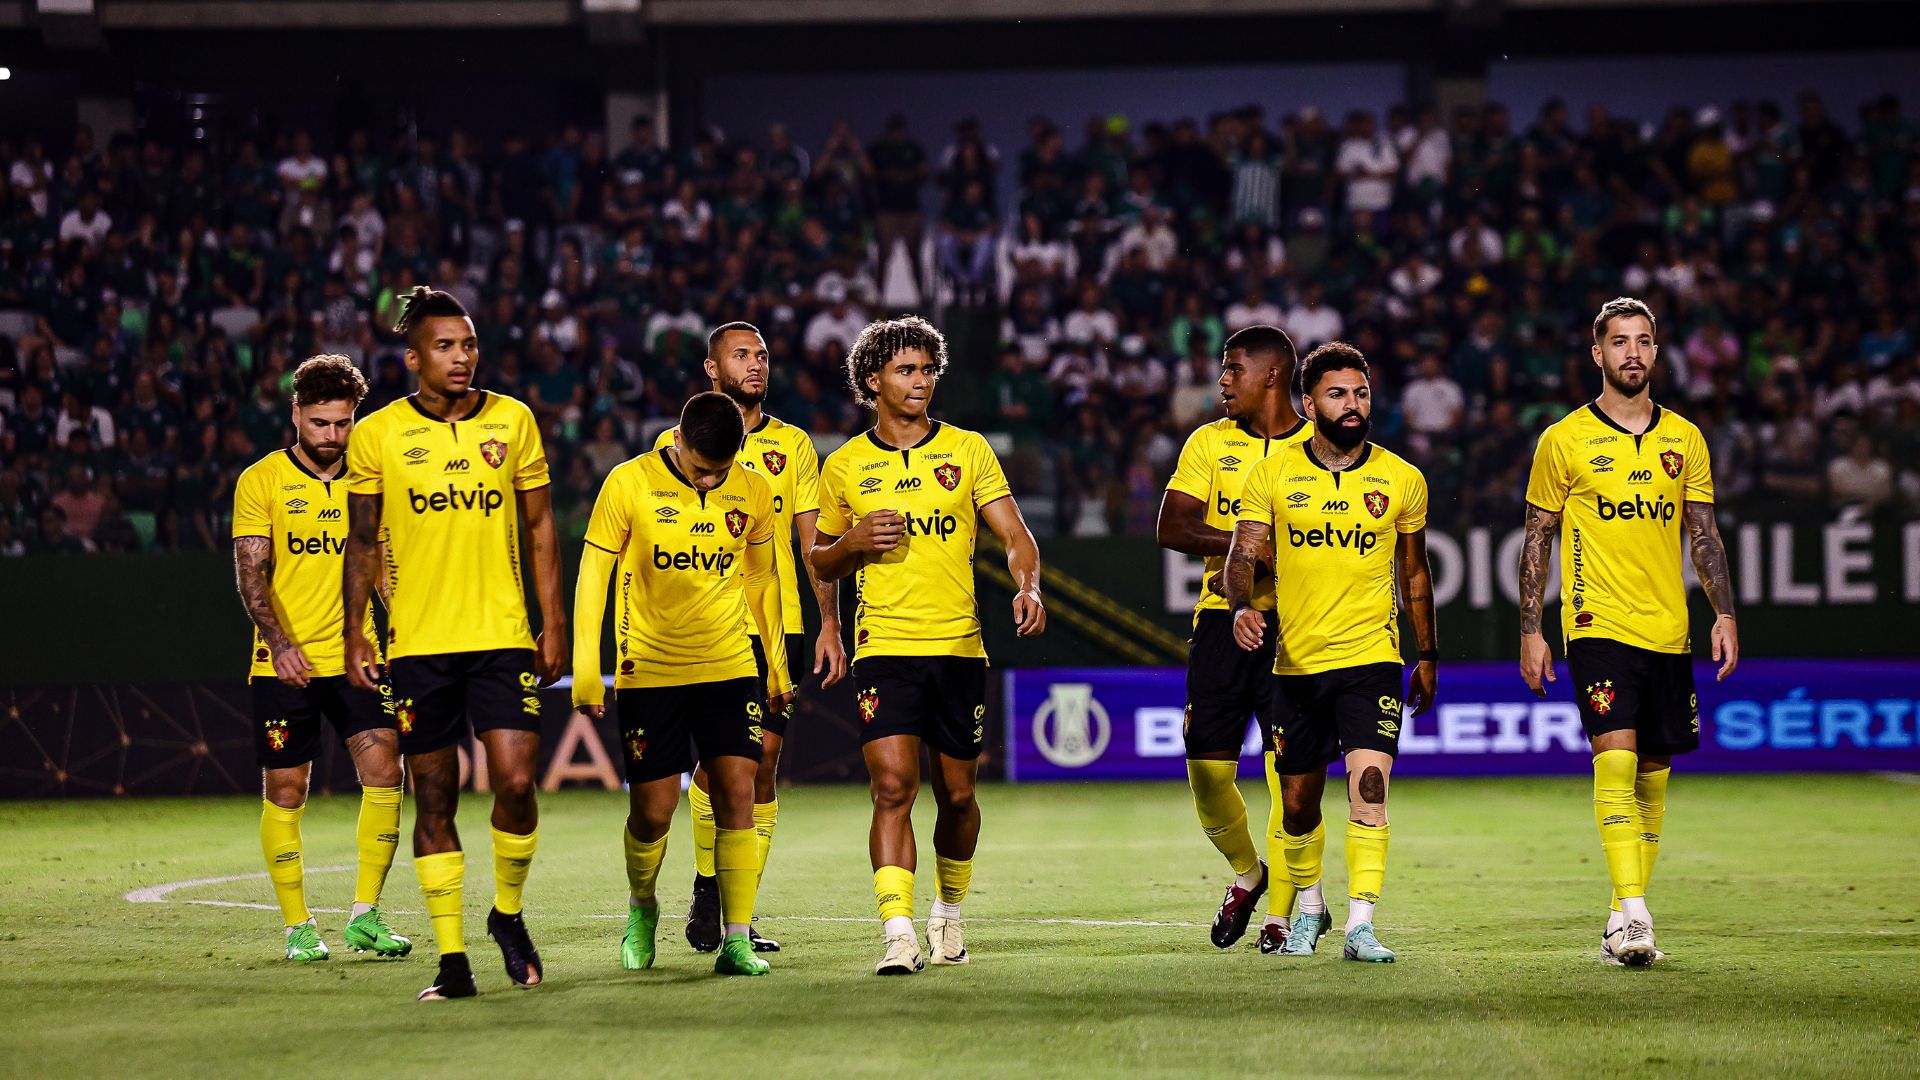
(1534, 553)
(253, 572)
(362, 563)
(1416, 583)
(1249, 540)
(1710, 557)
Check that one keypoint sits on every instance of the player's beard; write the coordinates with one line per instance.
(743, 397)
(1342, 436)
(323, 456)
(1620, 385)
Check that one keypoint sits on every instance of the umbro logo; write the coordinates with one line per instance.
(1229, 462)
(1603, 463)
(1298, 498)
(870, 483)
(296, 506)
(668, 513)
(416, 453)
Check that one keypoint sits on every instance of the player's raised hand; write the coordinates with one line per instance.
(878, 532)
(363, 667)
(1422, 688)
(830, 653)
(1249, 629)
(291, 665)
(1029, 614)
(1726, 646)
(1536, 663)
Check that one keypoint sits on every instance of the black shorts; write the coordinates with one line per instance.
(1225, 685)
(443, 696)
(286, 718)
(1621, 687)
(1319, 717)
(662, 726)
(796, 670)
(942, 700)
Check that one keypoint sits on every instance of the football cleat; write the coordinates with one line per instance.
(1306, 932)
(902, 956)
(945, 944)
(760, 944)
(304, 944)
(516, 948)
(636, 946)
(1636, 945)
(370, 933)
(703, 914)
(1273, 938)
(455, 980)
(1362, 945)
(1236, 910)
(737, 958)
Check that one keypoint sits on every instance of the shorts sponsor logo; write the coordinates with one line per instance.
(403, 715)
(870, 483)
(529, 681)
(530, 705)
(1072, 728)
(948, 475)
(736, 523)
(868, 701)
(1389, 704)
(493, 452)
(776, 461)
(1376, 501)
(757, 733)
(1600, 696)
(1671, 461)
(277, 734)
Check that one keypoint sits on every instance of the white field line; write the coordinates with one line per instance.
(1900, 777)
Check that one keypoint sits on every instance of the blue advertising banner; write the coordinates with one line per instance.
(1770, 716)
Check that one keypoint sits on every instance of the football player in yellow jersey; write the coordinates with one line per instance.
(1617, 481)
(289, 533)
(692, 538)
(1226, 684)
(1344, 518)
(737, 362)
(900, 507)
(458, 477)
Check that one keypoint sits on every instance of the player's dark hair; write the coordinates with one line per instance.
(720, 333)
(1621, 307)
(1333, 356)
(424, 303)
(883, 340)
(1264, 340)
(712, 426)
(328, 377)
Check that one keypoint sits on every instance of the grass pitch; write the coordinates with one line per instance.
(1786, 906)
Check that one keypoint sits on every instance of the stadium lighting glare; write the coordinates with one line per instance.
(5, 73)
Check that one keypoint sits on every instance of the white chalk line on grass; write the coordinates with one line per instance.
(1900, 777)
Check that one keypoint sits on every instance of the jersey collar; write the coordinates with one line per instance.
(1594, 408)
(479, 402)
(874, 438)
(765, 419)
(1366, 451)
(1247, 429)
(302, 466)
(667, 460)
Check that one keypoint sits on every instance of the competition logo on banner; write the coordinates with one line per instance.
(1772, 715)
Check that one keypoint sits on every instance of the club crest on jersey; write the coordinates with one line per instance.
(948, 475)
(494, 452)
(1600, 696)
(736, 522)
(1376, 501)
(776, 461)
(1671, 461)
(277, 734)
(869, 703)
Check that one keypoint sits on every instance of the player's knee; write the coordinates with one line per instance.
(957, 799)
(1300, 820)
(893, 794)
(380, 774)
(287, 798)
(514, 789)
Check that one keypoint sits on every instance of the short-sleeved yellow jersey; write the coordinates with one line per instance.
(1621, 499)
(784, 456)
(680, 582)
(1213, 467)
(918, 600)
(1334, 535)
(305, 519)
(450, 508)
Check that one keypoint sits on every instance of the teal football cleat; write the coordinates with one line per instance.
(1362, 945)
(1306, 933)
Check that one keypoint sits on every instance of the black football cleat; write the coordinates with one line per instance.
(761, 944)
(703, 915)
(516, 948)
(1236, 910)
(455, 980)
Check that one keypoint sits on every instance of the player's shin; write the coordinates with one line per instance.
(1281, 891)
(512, 861)
(1366, 870)
(442, 880)
(1223, 815)
(377, 836)
(736, 860)
(765, 816)
(893, 892)
(703, 830)
(280, 844)
(1619, 819)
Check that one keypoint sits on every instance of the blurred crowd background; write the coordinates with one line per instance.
(154, 298)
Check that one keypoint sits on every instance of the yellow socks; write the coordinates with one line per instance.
(765, 816)
(441, 878)
(1280, 887)
(1619, 818)
(702, 830)
(1650, 799)
(736, 861)
(512, 858)
(952, 877)
(893, 889)
(280, 843)
(1366, 869)
(1223, 813)
(377, 835)
(643, 865)
(1305, 858)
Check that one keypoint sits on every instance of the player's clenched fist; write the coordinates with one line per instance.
(1249, 629)
(880, 531)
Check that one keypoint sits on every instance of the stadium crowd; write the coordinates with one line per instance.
(155, 298)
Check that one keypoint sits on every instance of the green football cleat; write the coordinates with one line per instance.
(636, 948)
(1306, 933)
(736, 958)
(369, 932)
(1362, 945)
(304, 944)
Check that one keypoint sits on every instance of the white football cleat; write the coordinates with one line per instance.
(902, 956)
(1636, 945)
(945, 943)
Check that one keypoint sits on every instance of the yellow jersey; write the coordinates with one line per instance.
(680, 570)
(1334, 535)
(449, 507)
(918, 599)
(1620, 499)
(305, 519)
(1213, 467)
(784, 456)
